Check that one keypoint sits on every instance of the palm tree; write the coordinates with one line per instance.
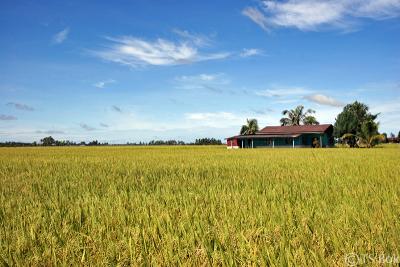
(251, 127)
(297, 116)
(368, 135)
(310, 120)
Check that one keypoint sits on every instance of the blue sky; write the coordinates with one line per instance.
(121, 71)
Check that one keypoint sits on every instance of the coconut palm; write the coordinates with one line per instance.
(251, 127)
(368, 135)
(297, 116)
(310, 120)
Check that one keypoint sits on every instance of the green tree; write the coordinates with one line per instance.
(48, 141)
(251, 127)
(310, 120)
(297, 116)
(368, 135)
(385, 137)
(208, 141)
(352, 118)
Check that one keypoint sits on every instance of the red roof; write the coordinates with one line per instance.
(286, 131)
(250, 136)
(299, 129)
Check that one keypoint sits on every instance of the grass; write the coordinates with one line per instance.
(197, 205)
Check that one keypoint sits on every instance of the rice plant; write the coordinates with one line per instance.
(197, 205)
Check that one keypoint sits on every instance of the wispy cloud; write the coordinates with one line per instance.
(116, 109)
(377, 9)
(134, 52)
(20, 106)
(209, 115)
(262, 111)
(283, 92)
(104, 125)
(61, 36)
(251, 52)
(203, 77)
(313, 15)
(287, 95)
(87, 127)
(256, 16)
(286, 101)
(207, 81)
(324, 100)
(220, 119)
(304, 14)
(7, 117)
(197, 39)
(212, 88)
(102, 84)
(49, 132)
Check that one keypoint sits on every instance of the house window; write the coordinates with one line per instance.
(287, 141)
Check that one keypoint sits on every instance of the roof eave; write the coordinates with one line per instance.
(263, 136)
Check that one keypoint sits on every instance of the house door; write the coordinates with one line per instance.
(315, 142)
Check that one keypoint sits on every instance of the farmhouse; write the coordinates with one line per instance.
(285, 136)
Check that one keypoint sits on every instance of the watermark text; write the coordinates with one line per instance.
(355, 259)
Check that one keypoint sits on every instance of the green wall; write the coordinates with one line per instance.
(304, 140)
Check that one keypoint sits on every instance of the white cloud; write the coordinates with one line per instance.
(207, 77)
(305, 15)
(262, 111)
(324, 100)
(283, 92)
(220, 119)
(257, 16)
(200, 77)
(210, 116)
(102, 84)
(203, 77)
(197, 39)
(378, 9)
(319, 14)
(251, 52)
(285, 95)
(286, 101)
(61, 36)
(210, 82)
(133, 51)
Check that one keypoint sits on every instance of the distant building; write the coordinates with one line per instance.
(285, 136)
(393, 140)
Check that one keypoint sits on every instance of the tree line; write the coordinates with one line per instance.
(200, 141)
(50, 141)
